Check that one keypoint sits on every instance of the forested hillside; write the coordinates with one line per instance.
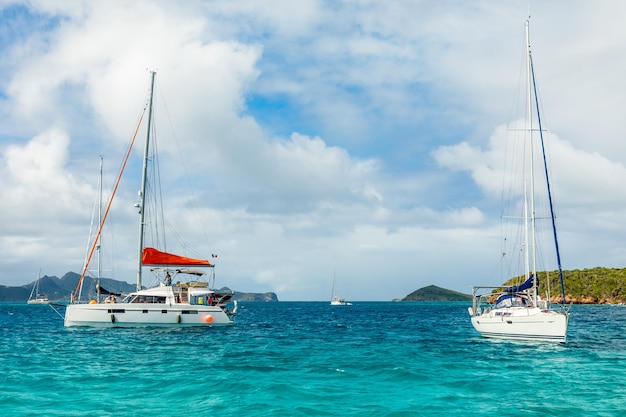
(587, 286)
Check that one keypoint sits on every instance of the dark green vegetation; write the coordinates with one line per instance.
(586, 286)
(60, 289)
(434, 293)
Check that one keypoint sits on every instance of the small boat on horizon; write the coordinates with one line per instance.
(336, 300)
(35, 297)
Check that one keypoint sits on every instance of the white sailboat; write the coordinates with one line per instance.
(35, 297)
(336, 300)
(519, 312)
(180, 297)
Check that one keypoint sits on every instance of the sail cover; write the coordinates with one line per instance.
(104, 291)
(523, 286)
(151, 256)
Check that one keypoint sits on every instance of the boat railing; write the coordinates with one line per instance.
(483, 301)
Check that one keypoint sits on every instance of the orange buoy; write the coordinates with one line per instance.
(93, 302)
(208, 318)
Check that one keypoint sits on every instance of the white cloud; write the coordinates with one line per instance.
(46, 205)
(581, 176)
(381, 158)
(35, 177)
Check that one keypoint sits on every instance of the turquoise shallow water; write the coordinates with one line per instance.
(308, 359)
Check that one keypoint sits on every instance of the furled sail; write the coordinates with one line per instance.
(151, 256)
(510, 292)
(522, 287)
(104, 291)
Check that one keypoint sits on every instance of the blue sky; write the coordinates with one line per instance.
(318, 136)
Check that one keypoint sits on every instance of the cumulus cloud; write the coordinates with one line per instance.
(579, 174)
(35, 176)
(361, 136)
(46, 204)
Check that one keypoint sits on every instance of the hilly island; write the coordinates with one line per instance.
(60, 289)
(584, 286)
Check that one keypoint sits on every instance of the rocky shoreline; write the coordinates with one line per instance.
(588, 300)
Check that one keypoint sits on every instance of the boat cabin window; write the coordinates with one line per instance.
(202, 299)
(149, 299)
(512, 301)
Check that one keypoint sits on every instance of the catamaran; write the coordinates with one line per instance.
(181, 295)
(519, 312)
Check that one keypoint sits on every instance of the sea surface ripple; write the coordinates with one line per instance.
(311, 359)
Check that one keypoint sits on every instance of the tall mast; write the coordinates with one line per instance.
(100, 220)
(531, 159)
(142, 191)
(99, 237)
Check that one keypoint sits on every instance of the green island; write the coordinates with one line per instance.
(582, 286)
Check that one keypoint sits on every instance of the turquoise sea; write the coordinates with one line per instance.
(311, 359)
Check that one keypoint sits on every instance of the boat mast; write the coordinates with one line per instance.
(35, 287)
(99, 237)
(531, 160)
(142, 191)
(99, 220)
(526, 246)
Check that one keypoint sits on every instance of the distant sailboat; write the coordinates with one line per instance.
(179, 299)
(336, 300)
(35, 297)
(518, 312)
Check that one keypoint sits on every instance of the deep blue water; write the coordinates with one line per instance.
(309, 359)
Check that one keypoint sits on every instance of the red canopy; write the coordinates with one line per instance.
(152, 256)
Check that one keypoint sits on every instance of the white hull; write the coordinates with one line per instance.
(145, 314)
(522, 323)
(39, 301)
(180, 306)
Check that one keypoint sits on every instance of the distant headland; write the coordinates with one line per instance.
(60, 289)
(434, 293)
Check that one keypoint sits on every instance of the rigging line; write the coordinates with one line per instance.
(91, 227)
(107, 252)
(194, 200)
(545, 166)
(96, 208)
(110, 202)
(155, 204)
